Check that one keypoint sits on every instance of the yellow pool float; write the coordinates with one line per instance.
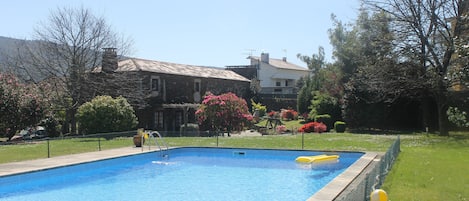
(316, 159)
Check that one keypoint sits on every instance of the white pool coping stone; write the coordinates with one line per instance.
(343, 180)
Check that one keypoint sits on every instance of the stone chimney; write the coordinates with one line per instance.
(284, 59)
(109, 62)
(265, 57)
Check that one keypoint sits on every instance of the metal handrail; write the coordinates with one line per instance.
(157, 142)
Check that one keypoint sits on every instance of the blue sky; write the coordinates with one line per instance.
(203, 32)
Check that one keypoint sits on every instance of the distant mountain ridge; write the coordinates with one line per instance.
(9, 48)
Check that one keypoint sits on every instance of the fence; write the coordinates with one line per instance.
(373, 177)
(48, 147)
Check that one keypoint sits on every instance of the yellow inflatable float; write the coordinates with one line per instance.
(316, 159)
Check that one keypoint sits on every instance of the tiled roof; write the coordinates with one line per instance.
(134, 64)
(279, 63)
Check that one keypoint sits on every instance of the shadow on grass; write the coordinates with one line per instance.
(374, 131)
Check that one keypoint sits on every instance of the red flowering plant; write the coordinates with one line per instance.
(272, 114)
(289, 114)
(310, 127)
(223, 112)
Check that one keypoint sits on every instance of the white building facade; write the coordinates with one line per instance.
(277, 76)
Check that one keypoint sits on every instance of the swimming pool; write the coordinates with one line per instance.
(187, 174)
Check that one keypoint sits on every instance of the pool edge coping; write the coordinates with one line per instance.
(334, 188)
(35, 165)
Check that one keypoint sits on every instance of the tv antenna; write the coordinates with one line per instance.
(250, 51)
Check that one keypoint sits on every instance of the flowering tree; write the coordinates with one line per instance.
(20, 105)
(223, 112)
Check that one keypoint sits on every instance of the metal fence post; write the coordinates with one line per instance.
(48, 149)
(302, 140)
(99, 144)
(217, 137)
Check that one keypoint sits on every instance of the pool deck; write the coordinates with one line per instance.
(60, 161)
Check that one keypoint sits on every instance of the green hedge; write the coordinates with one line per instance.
(339, 126)
(325, 119)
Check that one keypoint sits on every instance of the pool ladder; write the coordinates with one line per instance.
(159, 142)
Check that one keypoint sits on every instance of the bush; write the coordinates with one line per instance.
(106, 114)
(310, 127)
(262, 109)
(339, 126)
(289, 114)
(273, 114)
(323, 103)
(324, 118)
(281, 129)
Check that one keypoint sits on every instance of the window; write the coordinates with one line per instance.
(277, 83)
(155, 83)
(197, 85)
(158, 119)
(277, 90)
(286, 83)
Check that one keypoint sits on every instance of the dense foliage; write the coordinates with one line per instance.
(289, 114)
(261, 109)
(225, 112)
(106, 114)
(458, 117)
(20, 105)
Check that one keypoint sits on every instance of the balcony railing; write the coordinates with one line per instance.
(278, 90)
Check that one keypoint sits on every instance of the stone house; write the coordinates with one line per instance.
(274, 79)
(165, 95)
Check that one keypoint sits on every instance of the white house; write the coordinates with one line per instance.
(274, 80)
(277, 76)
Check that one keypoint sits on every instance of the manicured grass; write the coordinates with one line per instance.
(327, 141)
(58, 147)
(430, 168)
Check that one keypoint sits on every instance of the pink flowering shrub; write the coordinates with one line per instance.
(223, 112)
(281, 129)
(310, 127)
(20, 105)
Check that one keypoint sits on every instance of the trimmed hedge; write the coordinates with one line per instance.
(339, 126)
(325, 119)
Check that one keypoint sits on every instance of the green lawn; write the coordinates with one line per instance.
(429, 167)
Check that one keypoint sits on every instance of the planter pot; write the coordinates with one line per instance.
(138, 140)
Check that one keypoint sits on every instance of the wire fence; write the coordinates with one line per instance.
(373, 176)
(68, 144)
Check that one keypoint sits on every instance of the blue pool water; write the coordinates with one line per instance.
(187, 174)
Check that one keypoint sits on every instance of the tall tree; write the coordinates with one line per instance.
(309, 84)
(423, 34)
(69, 44)
(325, 79)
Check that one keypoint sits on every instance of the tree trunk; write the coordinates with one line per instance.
(443, 119)
(442, 104)
(73, 121)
